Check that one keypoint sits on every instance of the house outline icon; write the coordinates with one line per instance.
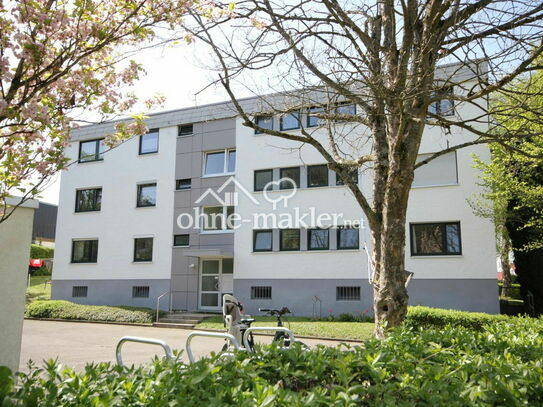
(230, 197)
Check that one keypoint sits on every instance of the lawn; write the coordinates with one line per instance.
(38, 289)
(305, 327)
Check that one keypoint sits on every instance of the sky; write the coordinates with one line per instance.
(179, 73)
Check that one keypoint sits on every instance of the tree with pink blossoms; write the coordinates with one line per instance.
(59, 59)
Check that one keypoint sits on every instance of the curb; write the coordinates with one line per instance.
(193, 329)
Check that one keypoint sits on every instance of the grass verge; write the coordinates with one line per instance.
(38, 289)
(306, 327)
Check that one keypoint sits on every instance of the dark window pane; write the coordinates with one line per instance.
(210, 300)
(266, 122)
(290, 121)
(347, 238)
(262, 241)
(143, 249)
(140, 292)
(210, 267)
(214, 163)
(149, 142)
(84, 251)
(290, 239)
(183, 184)
(261, 293)
(348, 293)
(185, 130)
(313, 121)
(91, 150)
(263, 178)
(317, 176)
(87, 200)
(181, 240)
(227, 266)
(231, 160)
(292, 173)
(444, 106)
(435, 239)
(213, 218)
(353, 174)
(318, 239)
(80, 291)
(146, 195)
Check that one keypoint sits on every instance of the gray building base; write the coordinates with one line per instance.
(113, 292)
(479, 295)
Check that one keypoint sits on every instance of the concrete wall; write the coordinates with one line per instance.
(207, 136)
(15, 240)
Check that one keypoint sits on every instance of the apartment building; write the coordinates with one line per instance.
(134, 222)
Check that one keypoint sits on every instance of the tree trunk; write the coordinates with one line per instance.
(390, 294)
(507, 280)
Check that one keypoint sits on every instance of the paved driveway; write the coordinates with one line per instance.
(75, 344)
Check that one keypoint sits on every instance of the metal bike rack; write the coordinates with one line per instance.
(231, 338)
(266, 328)
(150, 341)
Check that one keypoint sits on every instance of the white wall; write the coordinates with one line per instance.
(427, 204)
(119, 221)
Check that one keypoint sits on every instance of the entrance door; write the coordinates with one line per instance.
(216, 279)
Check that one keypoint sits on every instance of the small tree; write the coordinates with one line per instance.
(382, 56)
(58, 59)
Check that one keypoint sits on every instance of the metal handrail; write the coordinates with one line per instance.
(150, 341)
(231, 338)
(265, 328)
(158, 304)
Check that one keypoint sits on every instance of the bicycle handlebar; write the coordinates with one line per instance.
(278, 312)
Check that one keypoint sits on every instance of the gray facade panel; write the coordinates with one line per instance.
(113, 292)
(479, 295)
(207, 136)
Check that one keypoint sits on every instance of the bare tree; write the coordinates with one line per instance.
(400, 63)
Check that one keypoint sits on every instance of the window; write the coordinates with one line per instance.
(228, 266)
(445, 105)
(347, 293)
(146, 195)
(313, 121)
(292, 173)
(84, 251)
(352, 173)
(346, 108)
(262, 241)
(290, 121)
(79, 291)
(184, 130)
(261, 293)
(440, 171)
(318, 239)
(88, 200)
(143, 249)
(218, 218)
(347, 238)
(182, 184)
(92, 150)
(220, 162)
(181, 240)
(317, 176)
(266, 122)
(433, 239)
(140, 292)
(263, 178)
(289, 239)
(149, 142)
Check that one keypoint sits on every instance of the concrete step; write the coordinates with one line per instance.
(175, 326)
(169, 319)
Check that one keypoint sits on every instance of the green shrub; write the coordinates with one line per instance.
(453, 367)
(436, 317)
(41, 252)
(58, 309)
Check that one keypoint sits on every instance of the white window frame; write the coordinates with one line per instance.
(223, 229)
(226, 152)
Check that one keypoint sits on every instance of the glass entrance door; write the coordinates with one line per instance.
(216, 279)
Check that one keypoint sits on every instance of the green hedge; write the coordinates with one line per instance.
(68, 310)
(436, 317)
(455, 367)
(41, 252)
